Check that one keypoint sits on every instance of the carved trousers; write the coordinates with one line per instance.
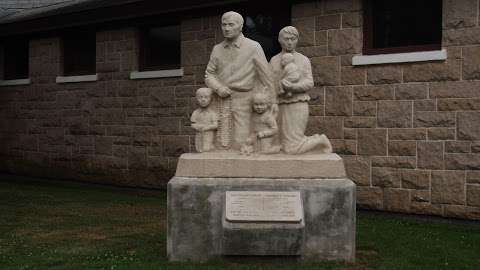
(241, 115)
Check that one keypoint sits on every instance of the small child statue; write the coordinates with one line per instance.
(291, 71)
(264, 127)
(204, 121)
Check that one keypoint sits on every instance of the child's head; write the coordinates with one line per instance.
(287, 58)
(204, 96)
(261, 102)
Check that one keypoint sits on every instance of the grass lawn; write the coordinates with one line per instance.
(62, 225)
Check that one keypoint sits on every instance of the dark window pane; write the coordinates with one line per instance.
(403, 23)
(161, 48)
(262, 24)
(79, 53)
(16, 59)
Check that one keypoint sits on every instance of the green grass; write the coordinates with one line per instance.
(62, 225)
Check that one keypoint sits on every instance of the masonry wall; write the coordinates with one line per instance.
(409, 133)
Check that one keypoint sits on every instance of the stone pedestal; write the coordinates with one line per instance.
(315, 223)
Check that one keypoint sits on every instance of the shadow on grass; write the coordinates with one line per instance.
(64, 225)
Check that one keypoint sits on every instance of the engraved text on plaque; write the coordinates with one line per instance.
(263, 206)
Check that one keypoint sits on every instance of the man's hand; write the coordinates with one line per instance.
(224, 92)
(197, 127)
(261, 134)
(275, 109)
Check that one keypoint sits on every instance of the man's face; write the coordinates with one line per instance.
(288, 42)
(231, 28)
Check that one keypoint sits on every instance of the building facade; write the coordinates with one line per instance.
(403, 110)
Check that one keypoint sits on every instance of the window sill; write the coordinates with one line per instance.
(75, 79)
(361, 60)
(15, 82)
(137, 75)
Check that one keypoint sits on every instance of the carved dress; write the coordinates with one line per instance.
(208, 120)
(266, 124)
(293, 110)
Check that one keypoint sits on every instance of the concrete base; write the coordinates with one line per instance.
(198, 231)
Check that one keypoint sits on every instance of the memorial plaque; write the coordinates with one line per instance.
(263, 206)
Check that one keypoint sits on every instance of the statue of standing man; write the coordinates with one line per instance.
(237, 68)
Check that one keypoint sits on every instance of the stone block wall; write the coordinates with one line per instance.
(409, 133)
(115, 130)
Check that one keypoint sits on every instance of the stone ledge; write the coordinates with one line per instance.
(15, 82)
(274, 184)
(228, 164)
(77, 79)
(360, 60)
(136, 75)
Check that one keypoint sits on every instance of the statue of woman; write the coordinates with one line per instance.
(293, 99)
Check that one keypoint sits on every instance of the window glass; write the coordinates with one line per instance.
(407, 25)
(15, 59)
(160, 48)
(79, 50)
(262, 24)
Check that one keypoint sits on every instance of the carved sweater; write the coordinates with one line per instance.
(302, 86)
(239, 65)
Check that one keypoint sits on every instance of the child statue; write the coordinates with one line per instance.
(264, 127)
(291, 72)
(204, 121)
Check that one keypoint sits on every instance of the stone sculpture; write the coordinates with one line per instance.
(204, 121)
(222, 203)
(264, 126)
(237, 68)
(293, 116)
(291, 72)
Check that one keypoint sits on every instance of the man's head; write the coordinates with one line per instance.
(204, 96)
(232, 24)
(288, 38)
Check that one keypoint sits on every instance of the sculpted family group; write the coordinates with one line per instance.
(253, 106)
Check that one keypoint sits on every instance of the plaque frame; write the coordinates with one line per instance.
(239, 207)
